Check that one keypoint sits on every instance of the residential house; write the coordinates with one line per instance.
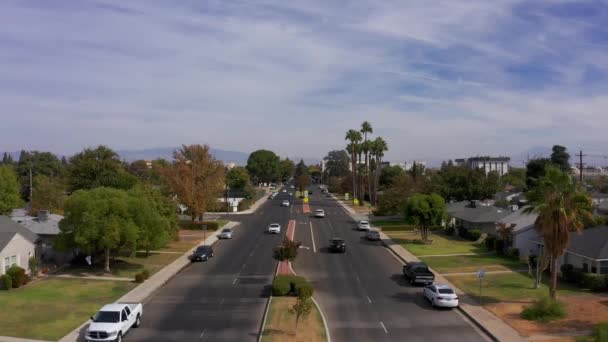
(475, 215)
(46, 227)
(524, 234)
(486, 163)
(587, 250)
(602, 208)
(17, 245)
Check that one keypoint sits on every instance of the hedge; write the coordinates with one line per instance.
(281, 285)
(7, 281)
(198, 225)
(284, 285)
(594, 282)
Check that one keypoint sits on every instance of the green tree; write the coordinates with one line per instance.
(562, 207)
(302, 182)
(141, 170)
(425, 211)
(301, 308)
(286, 169)
(460, 183)
(7, 159)
(354, 137)
(516, 177)
(378, 147)
(40, 163)
(337, 164)
(99, 167)
(263, 166)
(48, 194)
(98, 219)
(287, 251)
(490, 185)
(560, 158)
(301, 169)
(9, 190)
(392, 201)
(154, 229)
(417, 171)
(387, 174)
(237, 178)
(535, 169)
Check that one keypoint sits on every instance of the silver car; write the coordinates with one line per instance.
(373, 235)
(226, 233)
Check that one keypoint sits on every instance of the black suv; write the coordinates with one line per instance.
(337, 245)
(202, 253)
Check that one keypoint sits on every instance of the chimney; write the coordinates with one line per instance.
(43, 215)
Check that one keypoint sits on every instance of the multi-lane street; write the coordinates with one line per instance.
(362, 293)
(224, 298)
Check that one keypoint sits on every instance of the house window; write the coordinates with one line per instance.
(7, 264)
(603, 267)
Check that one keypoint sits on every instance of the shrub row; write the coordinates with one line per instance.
(285, 285)
(469, 234)
(15, 277)
(198, 225)
(142, 276)
(591, 281)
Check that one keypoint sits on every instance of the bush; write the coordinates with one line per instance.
(139, 277)
(490, 242)
(474, 234)
(499, 245)
(513, 253)
(566, 270)
(33, 265)
(145, 273)
(281, 285)
(284, 285)
(245, 204)
(462, 232)
(304, 289)
(600, 332)
(7, 282)
(199, 225)
(544, 310)
(450, 230)
(576, 276)
(594, 282)
(18, 276)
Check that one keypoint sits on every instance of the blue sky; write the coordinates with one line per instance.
(437, 79)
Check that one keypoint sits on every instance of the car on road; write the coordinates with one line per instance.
(284, 190)
(292, 187)
(274, 228)
(285, 203)
(290, 193)
(273, 195)
(202, 253)
(337, 245)
(440, 295)
(418, 273)
(372, 235)
(113, 321)
(226, 233)
(319, 213)
(363, 225)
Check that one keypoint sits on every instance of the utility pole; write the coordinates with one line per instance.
(580, 166)
(31, 184)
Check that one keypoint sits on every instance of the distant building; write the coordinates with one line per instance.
(230, 165)
(590, 171)
(486, 163)
(406, 166)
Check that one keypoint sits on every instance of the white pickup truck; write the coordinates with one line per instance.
(113, 321)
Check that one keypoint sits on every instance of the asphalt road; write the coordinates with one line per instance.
(362, 293)
(224, 298)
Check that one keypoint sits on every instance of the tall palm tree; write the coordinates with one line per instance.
(562, 207)
(379, 146)
(366, 128)
(354, 137)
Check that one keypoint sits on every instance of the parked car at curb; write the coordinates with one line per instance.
(418, 273)
(202, 253)
(226, 233)
(285, 203)
(337, 245)
(363, 225)
(319, 213)
(113, 321)
(274, 228)
(372, 235)
(440, 295)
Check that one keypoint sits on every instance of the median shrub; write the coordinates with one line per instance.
(18, 276)
(594, 282)
(304, 289)
(6, 281)
(284, 285)
(281, 285)
(544, 310)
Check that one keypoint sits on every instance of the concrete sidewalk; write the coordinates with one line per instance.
(251, 209)
(494, 327)
(143, 291)
(15, 339)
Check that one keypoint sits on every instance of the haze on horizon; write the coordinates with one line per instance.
(440, 79)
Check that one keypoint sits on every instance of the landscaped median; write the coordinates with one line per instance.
(292, 295)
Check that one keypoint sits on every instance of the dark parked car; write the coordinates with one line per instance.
(418, 273)
(202, 253)
(337, 245)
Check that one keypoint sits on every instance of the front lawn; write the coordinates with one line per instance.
(472, 263)
(509, 287)
(280, 324)
(442, 244)
(50, 308)
(126, 266)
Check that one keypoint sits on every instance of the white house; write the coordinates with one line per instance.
(524, 234)
(17, 245)
(487, 164)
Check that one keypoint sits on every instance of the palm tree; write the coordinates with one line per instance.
(379, 146)
(354, 137)
(562, 207)
(366, 128)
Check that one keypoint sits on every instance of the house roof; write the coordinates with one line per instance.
(50, 226)
(521, 220)
(478, 214)
(592, 242)
(8, 229)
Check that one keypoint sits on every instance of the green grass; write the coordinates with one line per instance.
(471, 263)
(49, 309)
(221, 223)
(509, 287)
(182, 246)
(280, 325)
(127, 266)
(442, 244)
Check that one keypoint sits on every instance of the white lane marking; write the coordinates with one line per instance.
(369, 300)
(202, 334)
(234, 282)
(312, 237)
(383, 327)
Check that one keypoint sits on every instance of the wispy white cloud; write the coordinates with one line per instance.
(485, 76)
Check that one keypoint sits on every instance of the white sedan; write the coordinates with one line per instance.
(274, 228)
(363, 225)
(285, 203)
(319, 213)
(440, 295)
